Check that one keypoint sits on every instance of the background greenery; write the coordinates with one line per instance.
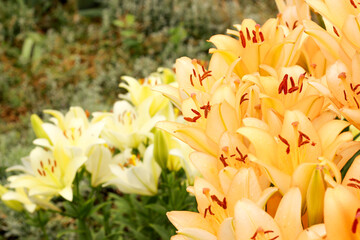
(58, 53)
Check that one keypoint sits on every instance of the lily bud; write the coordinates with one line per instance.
(36, 124)
(161, 151)
(15, 205)
(315, 197)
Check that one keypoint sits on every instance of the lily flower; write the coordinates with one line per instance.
(216, 206)
(48, 173)
(73, 130)
(298, 142)
(133, 175)
(127, 126)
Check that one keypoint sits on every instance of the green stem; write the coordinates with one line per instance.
(84, 231)
(42, 224)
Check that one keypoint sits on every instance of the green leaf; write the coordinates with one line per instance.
(164, 234)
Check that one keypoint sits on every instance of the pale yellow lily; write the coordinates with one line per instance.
(134, 173)
(49, 173)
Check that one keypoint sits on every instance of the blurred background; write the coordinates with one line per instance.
(60, 53)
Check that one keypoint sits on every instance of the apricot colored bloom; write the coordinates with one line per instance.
(299, 141)
(48, 173)
(272, 44)
(293, 12)
(216, 205)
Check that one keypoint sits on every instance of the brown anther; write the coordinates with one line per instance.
(295, 24)
(41, 164)
(286, 143)
(283, 85)
(261, 36)
(354, 88)
(353, 3)
(335, 31)
(223, 160)
(286, 23)
(242, 38)
(354, 183)
(232, 155)
(208, 209)
(242, 157)
(52, 169)
(356, 221)
(191, 80)
(206, 109)
(49, 161)
(248, 34)
(193, 119)
(194, 72)
(293, 87)
(243, 98)
(345, 95)
(44, 173)
(357, 104)
(205, 75)
(39, 172)
(222, 203)
(301, 141)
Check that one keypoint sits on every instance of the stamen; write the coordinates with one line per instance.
(342, 76)
(286, 143)
(248, 34)
(243, 98)
(283, 85)
(193, 119)
(87, 113)
(206, 109)
(191, 80)
(345, 95)
(222, 203)
(357, 104)
(353, 3)
(295, 24)
(223, 160)
(242, 38)
(356, 221)
(39, 172)
(261, 36)
(335, 31)
(41, 164)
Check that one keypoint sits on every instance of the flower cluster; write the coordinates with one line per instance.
(268, 120)
(117, 148)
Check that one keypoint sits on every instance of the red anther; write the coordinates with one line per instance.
(286, 143)
(293, 89)
(242, 38)
(206, 109)
(357, 104)
(194, 72)
(255, 234)
(353, 3)
(232, 155)
(283, 85)
(208, 209)
(268, 231)
(304, 135)
(295, 24)
(44, 173)
(202, 67)
(193, 119)
(222, 203)
(87, 113)
(300, 139)
(223, 160)
(274, 238)
(354, 180)
(354, 88)
(191, 80)
(335, 31)
(196, 112)
(313, 143)
(39, 172)
(345, 95)
(287, 24)
(292, 82)
(354, 185)
(41, 164)
(52, 169)
(248, 34)
(356, 221)
(243, 98)
(261, 36)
